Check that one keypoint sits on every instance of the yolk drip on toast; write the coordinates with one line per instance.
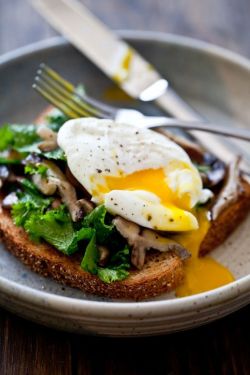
(201, 273)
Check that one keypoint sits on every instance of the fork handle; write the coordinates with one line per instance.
(203, 126)
(171, 102)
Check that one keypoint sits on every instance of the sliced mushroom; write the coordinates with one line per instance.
(47, 146)
(104, 255)
(230, 191)
(246, 177)
(9, 200)
(68, 194)
(86, 205)
(4, 174)
(217, 171)
(76, 183)
(56, 203)
(46, 133)
(44, 184)
(215, 174)
(49, 138)
(56, 180)
(65, 189)
(145, 239)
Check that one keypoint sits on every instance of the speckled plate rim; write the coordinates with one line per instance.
(220, 296)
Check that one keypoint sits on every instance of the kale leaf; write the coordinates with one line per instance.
(36, 169)
(84, 234)
(4, 161)
(24, 139)
(57, 154)
(97, 220)
(202, 168)
(108, 275)
(6, 137)
(117, 268)
(17, 136)
(21, 211)
(30, 201)
(91, 257)
(55, 227)
(56, 119)
(29, 187)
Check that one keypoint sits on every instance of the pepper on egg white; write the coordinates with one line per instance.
(136, 173)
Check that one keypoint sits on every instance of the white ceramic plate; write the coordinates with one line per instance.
(214, 81)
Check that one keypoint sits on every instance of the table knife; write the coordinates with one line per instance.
(119, 61)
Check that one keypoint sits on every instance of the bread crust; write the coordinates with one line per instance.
(229, 219)
(162, 272)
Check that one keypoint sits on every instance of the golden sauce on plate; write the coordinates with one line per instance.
(201, 273)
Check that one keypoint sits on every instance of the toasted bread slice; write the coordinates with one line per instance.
(227, 221)
(162, 272)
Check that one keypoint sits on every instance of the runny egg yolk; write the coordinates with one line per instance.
(201, 273)
(151, 180)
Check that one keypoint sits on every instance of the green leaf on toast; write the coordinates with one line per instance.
(109, 275)
(117, 268)
(6, 137)
(30, 201)
(40, 169)
(7, 161)
(55, 119)
(57, 154)
(91, 257)
(97, 220)
(55, 227)
(17, 136)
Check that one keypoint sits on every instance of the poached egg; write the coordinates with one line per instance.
(136, 173)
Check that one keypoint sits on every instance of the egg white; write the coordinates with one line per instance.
(97, 149)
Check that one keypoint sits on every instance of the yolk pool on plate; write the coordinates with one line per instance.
(201, 273)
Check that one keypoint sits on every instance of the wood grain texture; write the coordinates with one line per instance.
(26, 350)
(219, 348)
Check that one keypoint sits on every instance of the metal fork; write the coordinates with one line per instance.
(63, 95)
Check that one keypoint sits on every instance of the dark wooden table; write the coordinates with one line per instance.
(219, 348)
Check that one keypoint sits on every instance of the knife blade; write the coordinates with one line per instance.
(113, 56)
(124, 65)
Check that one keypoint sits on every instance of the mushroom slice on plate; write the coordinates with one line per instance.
(214, 174)
(4, 174)
(9, 200)
(56, 180)
(230, 190)
(104, 254)
(144, 239)
(49, 137)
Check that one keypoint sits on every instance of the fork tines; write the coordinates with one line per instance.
(63, 95)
